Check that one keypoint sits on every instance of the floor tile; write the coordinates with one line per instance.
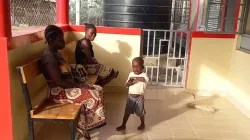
(180, 125)
(156, 133)
(203, 126)
(234, 135)
(208, 134)
(183, 134)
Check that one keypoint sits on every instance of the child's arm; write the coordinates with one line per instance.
(144, 78)
(141, 79)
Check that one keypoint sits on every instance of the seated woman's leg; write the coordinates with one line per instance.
(81, 128)
(92, 113)
(105, 73)
(103, 82)
(92, 116)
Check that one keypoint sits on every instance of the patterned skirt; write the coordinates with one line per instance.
(92, 101)
(99, 69)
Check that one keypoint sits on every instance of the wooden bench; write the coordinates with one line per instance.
(47, 110)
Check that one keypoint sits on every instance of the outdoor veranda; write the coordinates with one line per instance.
(216, 74)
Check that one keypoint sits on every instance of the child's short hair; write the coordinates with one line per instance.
(139, 60)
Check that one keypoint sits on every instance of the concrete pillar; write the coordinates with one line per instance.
(62, 12)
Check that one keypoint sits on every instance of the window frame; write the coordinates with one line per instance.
(238, 20)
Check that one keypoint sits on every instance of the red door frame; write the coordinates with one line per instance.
(5, 100)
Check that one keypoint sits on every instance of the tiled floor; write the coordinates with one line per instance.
(167, 118)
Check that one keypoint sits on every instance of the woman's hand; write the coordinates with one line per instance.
(83, 71)
(92, 61)
(79, 68)
(91, 87)
(87, 86)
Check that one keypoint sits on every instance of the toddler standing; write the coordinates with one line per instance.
(137, 82)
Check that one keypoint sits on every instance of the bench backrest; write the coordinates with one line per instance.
(27, 73)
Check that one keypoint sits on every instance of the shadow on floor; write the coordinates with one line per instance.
(161, 106)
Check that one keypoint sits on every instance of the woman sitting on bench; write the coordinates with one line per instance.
(63, 87)
(84, 54)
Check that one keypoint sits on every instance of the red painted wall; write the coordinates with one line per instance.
(5, 102)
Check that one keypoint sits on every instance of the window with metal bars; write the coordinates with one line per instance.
(224, 16)
(245, 38)
(246, 15)
(180, 15)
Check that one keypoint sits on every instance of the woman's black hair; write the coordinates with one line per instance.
(51, 32)
(89, 26)
(51, 36)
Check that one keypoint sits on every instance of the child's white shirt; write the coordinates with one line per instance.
(138, 87)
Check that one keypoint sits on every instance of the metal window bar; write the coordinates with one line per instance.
(171, 36)
(166, 60)
(244, 15)
(165, 51)
(86, 11)
(181, 14)
(214, 16)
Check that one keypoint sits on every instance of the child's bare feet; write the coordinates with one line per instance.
(121, 128)
(141, 127)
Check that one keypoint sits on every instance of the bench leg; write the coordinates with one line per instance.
(72, 130)
(31, 130)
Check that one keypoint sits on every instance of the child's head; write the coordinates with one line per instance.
(137, 65)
